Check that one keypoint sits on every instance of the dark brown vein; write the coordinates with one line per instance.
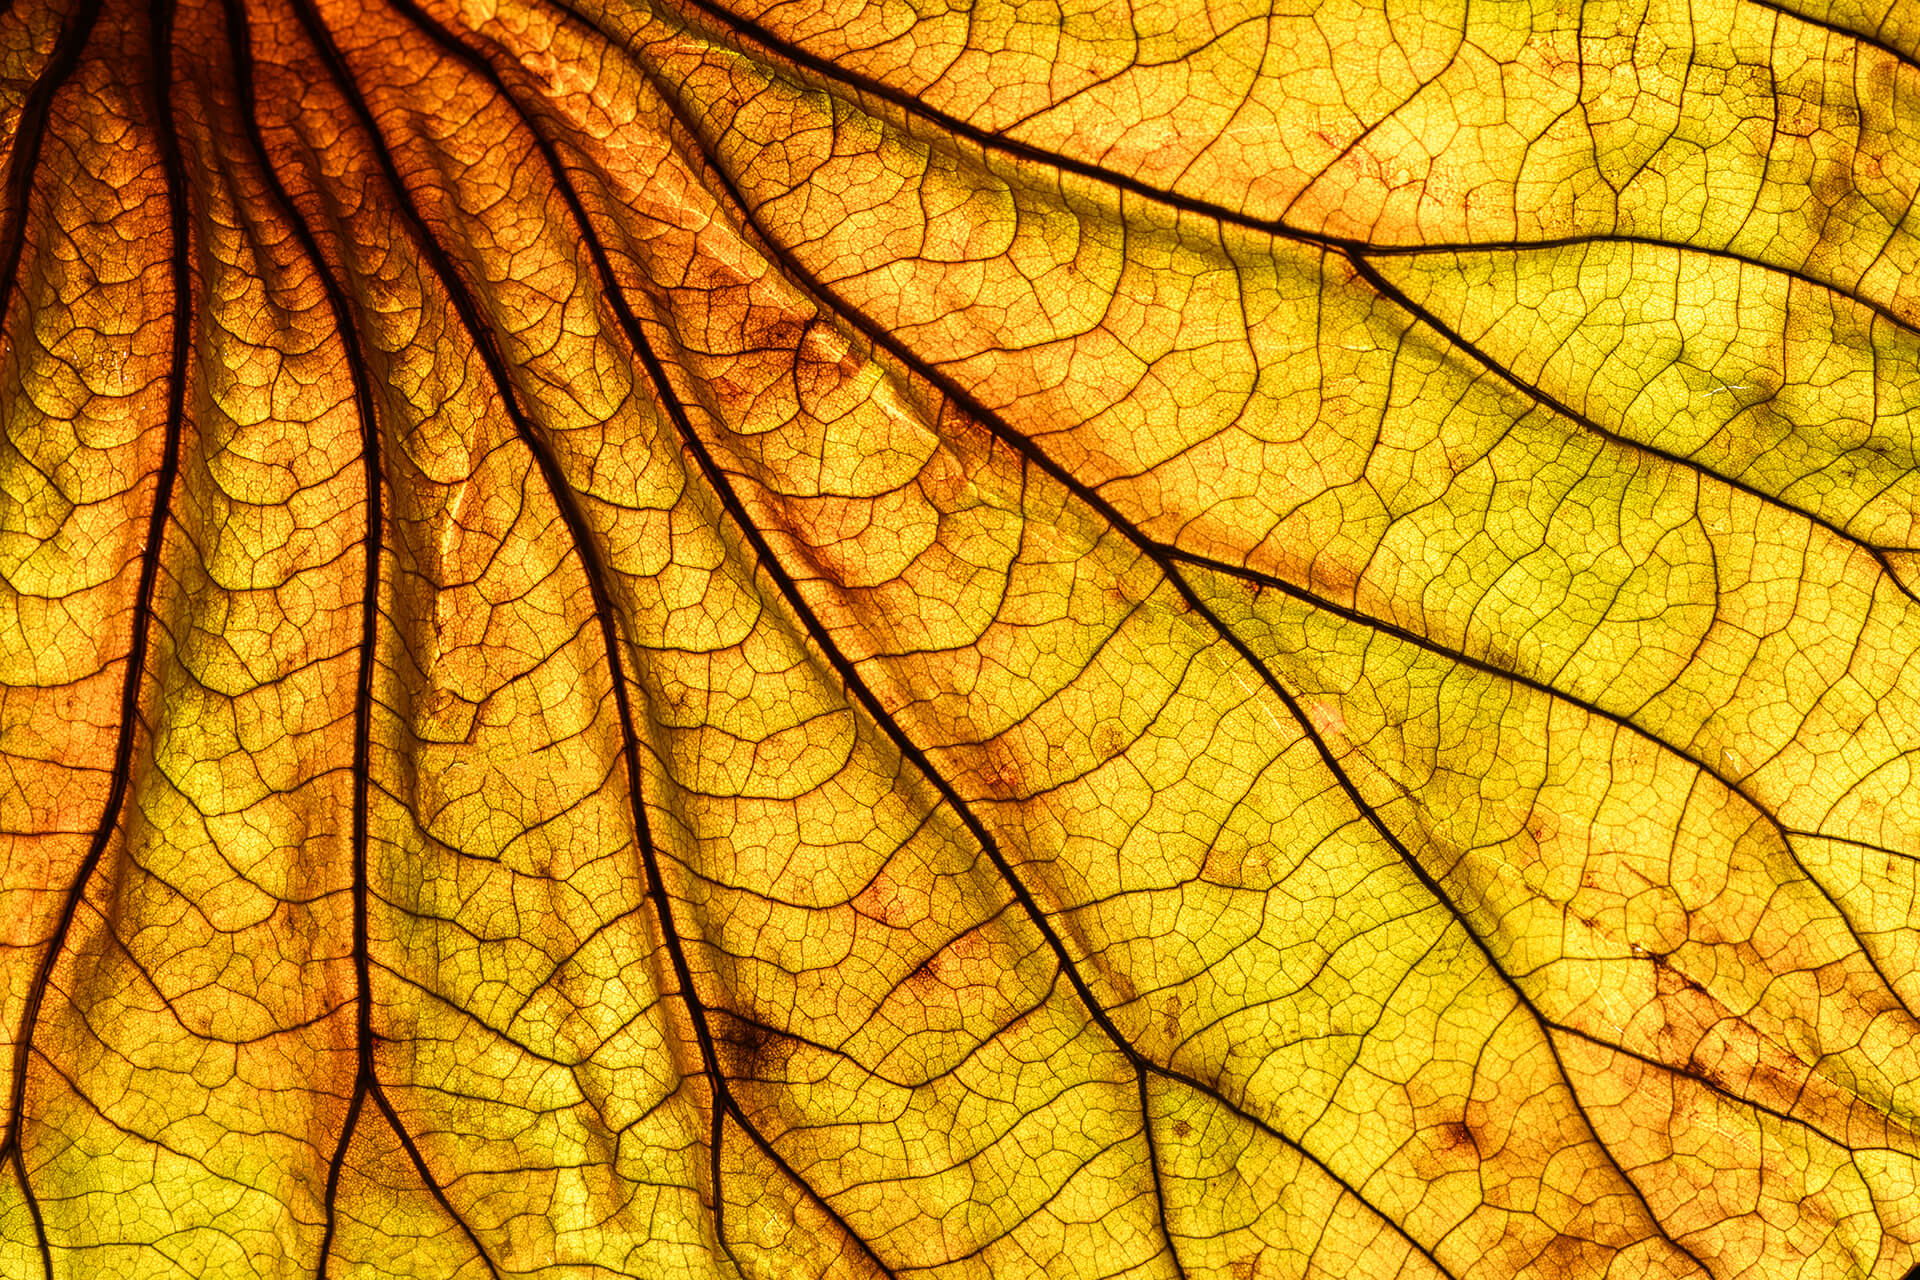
(843, 667)
(594, 571)
(1026, 447)
(239, 41)
(73, 40)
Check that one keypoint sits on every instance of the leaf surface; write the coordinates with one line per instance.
(845, 640)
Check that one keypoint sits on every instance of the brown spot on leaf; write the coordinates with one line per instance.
(922, 977)
(1455, 1136)
(746, 1050)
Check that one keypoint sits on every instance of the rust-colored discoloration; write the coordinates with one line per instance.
(747, 1050)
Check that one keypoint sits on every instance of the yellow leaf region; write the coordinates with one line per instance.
(676, 638)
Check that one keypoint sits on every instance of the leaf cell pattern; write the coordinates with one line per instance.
(854, 639)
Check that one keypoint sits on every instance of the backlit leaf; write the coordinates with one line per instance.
(1077, 640)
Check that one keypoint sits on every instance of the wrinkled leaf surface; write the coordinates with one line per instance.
(1099, 639)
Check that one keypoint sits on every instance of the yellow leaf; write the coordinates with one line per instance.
(1074, 640)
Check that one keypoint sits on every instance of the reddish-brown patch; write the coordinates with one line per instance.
(1570, 1256)
(772, 329)
(822, 360)
(1333, 575)
(1002, 781)
(745, 1049)
(923, 978)
(1447, 1147)
(1542, 826)
(880, 902)
(1456, 1136)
